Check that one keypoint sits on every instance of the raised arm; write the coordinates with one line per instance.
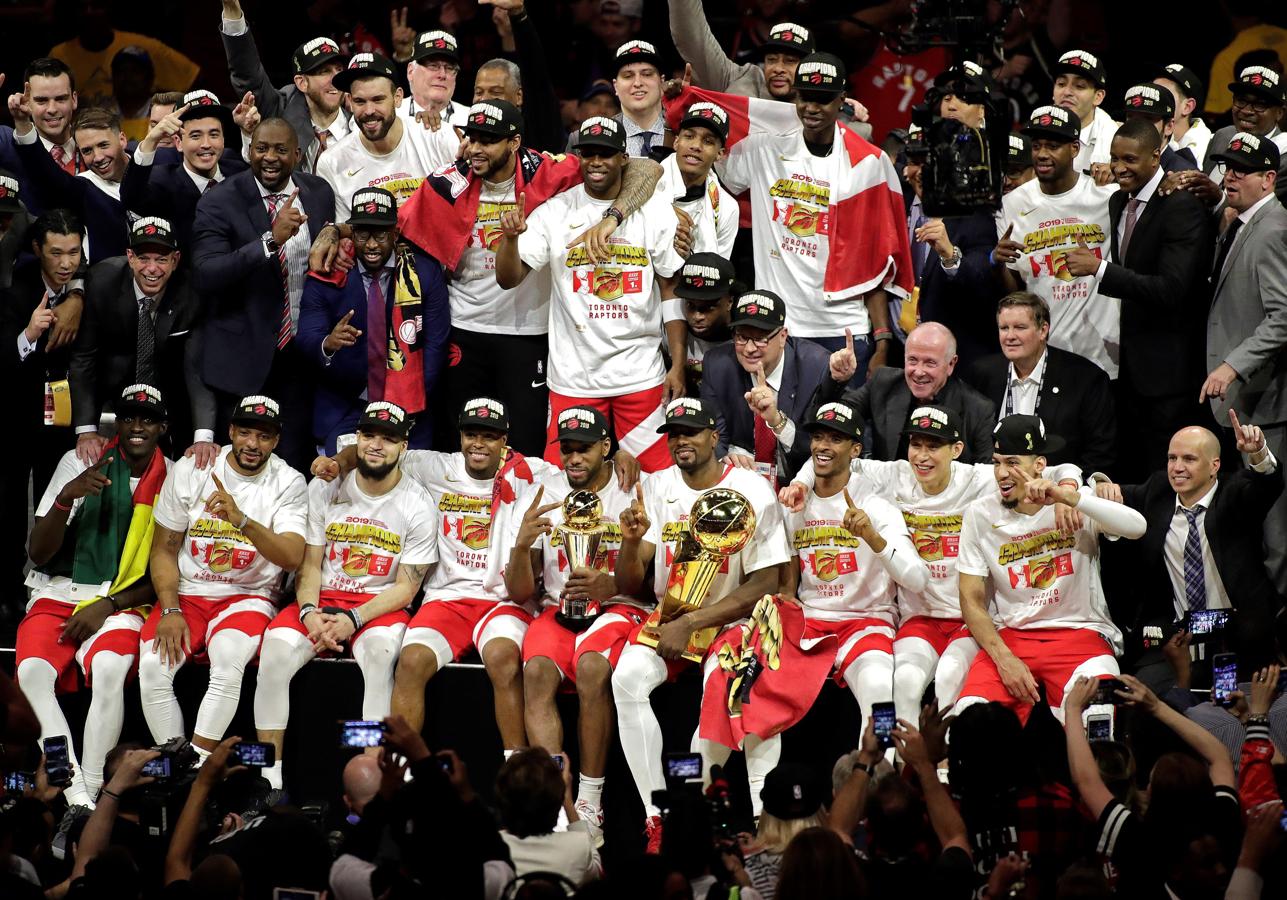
(1081, 762)
(635, 553)
(245, 69)
(712, 69)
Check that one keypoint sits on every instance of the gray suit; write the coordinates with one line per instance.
(1220, 142)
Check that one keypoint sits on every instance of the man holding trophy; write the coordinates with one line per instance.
(715, 538)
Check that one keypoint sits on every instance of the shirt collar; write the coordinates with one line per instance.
(57, 292)
(1204, 501)
(658, 127)
(1246, 215)
(1145, 194)
(139, 296)
(200, 180)
(1034, 377)
(69, 146)
(287, 189)
(774, 378)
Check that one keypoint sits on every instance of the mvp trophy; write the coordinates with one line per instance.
(580, 531)
(719, 525)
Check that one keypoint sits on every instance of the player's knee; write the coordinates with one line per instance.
(109, 671)
(35, 674)
(910, 679)
(503, 662)
(540, 679)
(416, 663)
(593, 676)
(630, 683)
(152, 672)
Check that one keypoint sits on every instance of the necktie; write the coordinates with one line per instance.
(1226, 243)
(275, 201)
(646, 147)
(1132, 210)
(322, 137)
(1195, 581)
(145, 354)
(68, 165)
(377, 340)
(766, 442)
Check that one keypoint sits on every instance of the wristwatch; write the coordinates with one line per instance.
(614, 213)
(270, 245)
(954, 260)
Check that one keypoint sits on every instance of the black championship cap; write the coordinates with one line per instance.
(1185, 79)
(205, 105)
(705, 276)
(141, 399)
(1149, 99)
(637, 52)
(373, 207)
(388, 418)
(581, 423)
(791, 791)
(1261, 83)
(436, 45)
(258, 410)
(1250, 153)
(707, 115)
(1021, 435)
(152, 231)
(1079, 62)
(498, 118)
(759, 309)
(1052, 122)
(484, 412)
(936, 422)
(687, 412)
(788, 37)
(311, 56)
(916, 145)
(1019, 152)
(600, 131)
(10, 193)
(839, 417)
(967, 80)
(821, 73)
(365, 65)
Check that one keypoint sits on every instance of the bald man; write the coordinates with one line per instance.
(361, 782)
(887, 398)
(1204, 548)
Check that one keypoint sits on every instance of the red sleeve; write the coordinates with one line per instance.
(1256, 783)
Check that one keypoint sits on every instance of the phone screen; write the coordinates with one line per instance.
(1099, 728)
(1106, 690)
(57, 761)
(684, 765)
(361, 733)
(1205, 621)
(1224, 681)
(884, 721)
(17, 782)
(253, 753)
(157, 768)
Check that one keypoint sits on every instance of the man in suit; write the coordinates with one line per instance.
(310, 103)
(1159, 250)
(1247, 321)
(887, 399)
(345, 333)
(141, 327)
(1155, 105)
(1072, 395)
(251, 247)
(50, 89)
(760, 385)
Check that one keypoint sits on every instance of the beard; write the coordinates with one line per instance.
(1010, 503)
(386, 125)
(248, 466)
(375, 473)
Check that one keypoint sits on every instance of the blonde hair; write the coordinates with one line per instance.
(774, 834)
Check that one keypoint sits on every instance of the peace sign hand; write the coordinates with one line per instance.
(534, 523)
(221, 504)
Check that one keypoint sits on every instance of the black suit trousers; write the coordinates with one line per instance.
(290, 383)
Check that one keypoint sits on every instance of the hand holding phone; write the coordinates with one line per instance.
(884, 721)
(1099, 728)
(683, 766)
(1224, 678)
(254, 754)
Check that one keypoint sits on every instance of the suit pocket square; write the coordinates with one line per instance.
(180, 333)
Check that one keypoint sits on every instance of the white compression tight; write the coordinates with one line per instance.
(229, 651)
(916, 665)
(762, 754)
(639, 672)
(871, 680)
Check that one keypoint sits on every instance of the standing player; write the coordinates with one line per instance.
(225, 537)
(1054, 619)
(688, 179)
(1080, 86)
(652, 529)
(370, 545)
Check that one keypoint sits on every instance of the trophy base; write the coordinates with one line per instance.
(698, 642)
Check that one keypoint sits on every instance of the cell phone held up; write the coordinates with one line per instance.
(1203, 623)
(57, 762)
(883, 721)
(1106, 692)
(1224, 678)
(254, 754)
(361, 733)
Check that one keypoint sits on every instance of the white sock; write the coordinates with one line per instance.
(509, 753)
(590, 790)
(274, 774)
(202, 755)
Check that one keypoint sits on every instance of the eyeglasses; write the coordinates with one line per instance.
(740, 338)
(1256, 106)
(440, 68)
(380, 236)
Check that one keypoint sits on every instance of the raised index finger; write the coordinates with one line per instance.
(218, 483)
(1009, 231)
(1233, 419)
(760, 380)
(102, 463)
(639, 492)
(849, 500)
(849, 340)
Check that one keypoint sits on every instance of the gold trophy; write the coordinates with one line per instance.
(720, 524)
(581, 530)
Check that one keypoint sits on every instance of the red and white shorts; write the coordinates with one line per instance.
(1053, 655)
(450, 628)
(288, 618)
(938, 633)
(635, 418)
(247, 613)
(41, 628)
(854, 637)
(607, 636)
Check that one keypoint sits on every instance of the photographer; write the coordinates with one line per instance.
(530, 788)
(180, 878)
(712, 864)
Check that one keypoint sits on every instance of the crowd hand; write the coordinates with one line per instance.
(1217, 384)
(1171, 182)
(1082, 694)
(673, 637)
(934, 723)
(203, 453)
(324, 253)
(403, 35)
(221, 504)
(1261, 838)
(869, 750)
(910, 744)
(393, 772)
(676, 384)
(41, 318)
(1102, 173)
(676, 86)
(42, 790)
(1017, 678)
(1204, 188)
(1251, 440)
(513, 222)
(401, 737)
(683, 234)
(91, 481)
(457, 774)
(429, 119)
(792, 496)
(1176, 651)
(1007, 251)
(534, 523)
(325, 468)
(1008, 871)
(246, 114)
(1264, 687)
(66, 320)
(86, 621)
(129, 771)
(741, 461)
(89, 447)
(1081, 260)
(1138, 694)
(173, 639)
(934, 233)
(590, 584)
(504, 28)
(342, 335)
(762, 399)
(216, 768)
(857, 522)
(1108, 490)
(596, 239)
(289, 220)
(857, 111)
(1237, 706)
(634, 518)
(844, 363)
(627, 469)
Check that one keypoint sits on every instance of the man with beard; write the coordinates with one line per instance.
(1080, 89)
(310, 103)
(226, 536)
(86, 582)
(52, 89)
(772, 79)
(652, 529)
(1054, 621)
(688, 178)
(705, 284)
(370, 543)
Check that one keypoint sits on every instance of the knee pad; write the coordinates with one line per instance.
(109, 670)
(36, 675)
(639, 672)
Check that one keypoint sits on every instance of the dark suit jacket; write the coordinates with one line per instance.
(25, 379)
(724, 387)
(885, 402)
(967, 302)
(1162, 284)
(166, 190)
(1076, 404)
(1234, 526)
(105, 352)
(1177, 160)
(242, 285)
(342, 381)
(103, 216)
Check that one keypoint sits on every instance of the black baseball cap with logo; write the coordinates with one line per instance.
(916, 145)
(365, 65)
(580, 423)
(687, 412)
(1259, 82)
(494, 118)
(788, 37)
(600, 131)
(936, 422)
(759, 309)
(1250, 153)
(436, 44)
(1150, 100)
(1185, 79)
(374, 207)
(1024, 435)
(711, 116)
(386, 418)
(152, 231)
(837, 416)
(967, 80)
(1019, 152)
(792, 791)
(1083, 63)
(484, 412)
(205, 105)
(637, 52)
(1052, 122)
(705, 276)
(141, 399)
(821, 73)
(312, 55)
(10, 192)
(258, 409)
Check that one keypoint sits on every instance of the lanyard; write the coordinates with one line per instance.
(1009, 388)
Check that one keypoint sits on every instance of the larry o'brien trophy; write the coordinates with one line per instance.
(720, 524)
(580, 531)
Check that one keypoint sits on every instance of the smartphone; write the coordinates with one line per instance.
(255, 754)
(57, 761)
(1106, 691)
(17, 782)
(361, 733)
(1224, 678)
(157, 768)
(1099, 728)
(558, 760)
(1206, 621)
(884, 721)
(295, 894)
(683, 766)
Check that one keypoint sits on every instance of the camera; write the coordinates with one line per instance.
(161, 801)
(951, 23)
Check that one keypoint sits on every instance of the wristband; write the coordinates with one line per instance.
(58, 505)
(613, 212)
(115, 796)
(167, 610)
(355, 617)
(869, 768)
(305, 610)
(1257, 719)
(244, 519)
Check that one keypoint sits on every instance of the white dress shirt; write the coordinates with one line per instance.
(26, 347)
(202, 182)
(635, 134)
(1023, 393)
(296, 251)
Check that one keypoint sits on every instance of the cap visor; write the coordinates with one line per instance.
(598, 142)
(702, 293)
(1263, 92)
(1041, 131)
(373, 221)
(1238, 163)
(274, 424)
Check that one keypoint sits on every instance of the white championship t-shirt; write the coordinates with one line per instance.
(605, 320)
(348, 166)
(366, 538)
(1097, 141)
(1083, 320)
(714, 213)
(216, 560)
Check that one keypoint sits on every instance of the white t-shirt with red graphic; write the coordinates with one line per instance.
(605, 319)
(216, 560)
(461, 509)
(348, 166)
(366, 537)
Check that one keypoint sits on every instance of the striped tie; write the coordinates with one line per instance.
(1195, 582)
(284, 332)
